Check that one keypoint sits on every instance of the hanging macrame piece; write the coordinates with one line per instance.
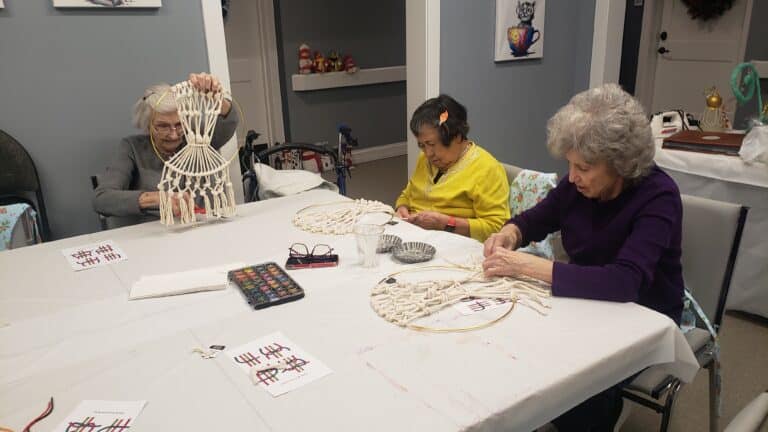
(338, 217)
(401, 300)
(197, 170)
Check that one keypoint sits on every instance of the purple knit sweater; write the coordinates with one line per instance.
(626, 249)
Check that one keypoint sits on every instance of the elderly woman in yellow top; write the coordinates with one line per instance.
(456, 186)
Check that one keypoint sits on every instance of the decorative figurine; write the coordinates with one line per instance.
(319, 62)
(334, 62)
(305, 59)
(349, 64)
(713, 119)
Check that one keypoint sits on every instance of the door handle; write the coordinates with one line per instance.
(663, 50)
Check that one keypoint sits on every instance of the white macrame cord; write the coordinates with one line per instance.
(402, 302)
(198, 170)
(337, 217)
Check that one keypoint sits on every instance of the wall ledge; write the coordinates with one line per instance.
(319, 81)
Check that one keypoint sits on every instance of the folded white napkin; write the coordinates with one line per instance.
(204, 279)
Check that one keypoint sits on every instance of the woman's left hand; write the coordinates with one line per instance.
(205, 82)
(429, 220)
(505, 262)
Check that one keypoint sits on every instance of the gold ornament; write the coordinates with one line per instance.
(713, 115)
(714, 100)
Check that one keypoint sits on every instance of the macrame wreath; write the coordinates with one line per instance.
(402, 302)
(198, 170)
(338, 217)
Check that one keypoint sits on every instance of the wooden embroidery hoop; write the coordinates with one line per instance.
(402, 302)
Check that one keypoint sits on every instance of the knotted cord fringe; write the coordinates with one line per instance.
(403, 302)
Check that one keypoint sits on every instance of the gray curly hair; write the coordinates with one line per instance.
(604, 124)
(158, 98)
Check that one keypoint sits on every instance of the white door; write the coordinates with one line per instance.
(693, 55)
(252, 58)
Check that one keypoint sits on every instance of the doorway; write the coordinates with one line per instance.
(680, 57)
(253, 67)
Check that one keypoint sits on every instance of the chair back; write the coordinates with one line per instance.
(19, 179)
(103, 220)
(555, 240)
(17, 171)
(710, 243)
(512, 171)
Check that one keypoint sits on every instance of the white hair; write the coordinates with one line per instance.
(157, 98)
(604, 124)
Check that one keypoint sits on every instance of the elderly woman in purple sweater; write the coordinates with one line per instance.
(618, 213)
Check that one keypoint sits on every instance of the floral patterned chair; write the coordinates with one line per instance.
(526, 189)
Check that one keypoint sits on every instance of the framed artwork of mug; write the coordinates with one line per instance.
(519, 30)
(107, 3)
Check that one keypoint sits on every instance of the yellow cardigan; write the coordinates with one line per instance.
(474, 188)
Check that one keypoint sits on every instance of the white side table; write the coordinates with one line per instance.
(728, 178)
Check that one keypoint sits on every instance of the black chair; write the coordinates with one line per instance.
(19, 180)
(103, 222)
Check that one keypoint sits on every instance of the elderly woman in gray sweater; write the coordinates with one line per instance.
(128, 187)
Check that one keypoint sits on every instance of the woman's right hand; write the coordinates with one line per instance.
(151, 200)
(403, 213)
(508, 238)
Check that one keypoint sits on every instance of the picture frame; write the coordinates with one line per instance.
(519, 33)
(102, 4)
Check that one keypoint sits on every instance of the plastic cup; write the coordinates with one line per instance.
(367, 237)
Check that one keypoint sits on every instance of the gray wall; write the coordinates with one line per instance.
(68, 79)
(756, 49)
(373, 32)
(509, 102)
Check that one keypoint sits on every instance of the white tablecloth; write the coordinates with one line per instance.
(728, 178)
(75, 336)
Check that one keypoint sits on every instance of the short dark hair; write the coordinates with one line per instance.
(429, 114)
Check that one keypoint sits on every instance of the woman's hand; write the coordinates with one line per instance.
(505, 262)
(429, 220)
(508, 238)
(151, 200)
(403, 213)
(205, 82)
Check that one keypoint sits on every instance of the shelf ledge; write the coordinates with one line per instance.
(318, 81)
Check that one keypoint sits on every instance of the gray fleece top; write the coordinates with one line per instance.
(136, 169)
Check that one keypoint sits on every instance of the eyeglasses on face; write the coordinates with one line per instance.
(165, 128)
(300, 250)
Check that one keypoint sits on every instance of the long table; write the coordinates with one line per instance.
(75, 336)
